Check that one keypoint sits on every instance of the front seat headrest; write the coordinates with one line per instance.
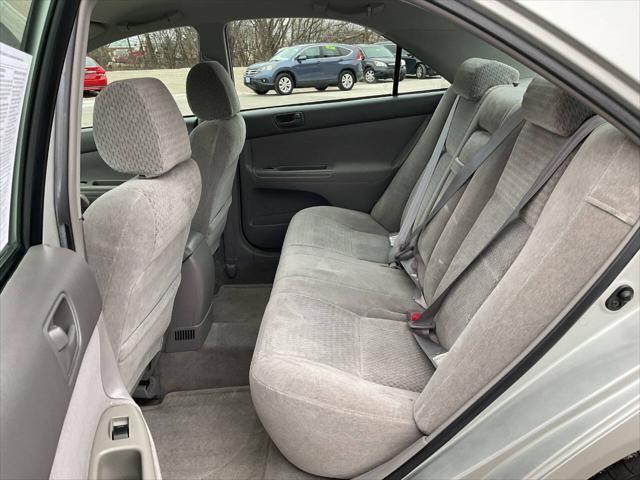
(211, 93)
(139, 129)
(477, 75)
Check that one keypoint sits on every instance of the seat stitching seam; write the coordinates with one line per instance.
(346, 225)
(390, 295)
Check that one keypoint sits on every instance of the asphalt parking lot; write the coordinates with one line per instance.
(175, 81)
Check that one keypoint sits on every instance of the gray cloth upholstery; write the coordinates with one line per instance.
(388, 209)
(365, 236)
(336, 367)
(322, 379)
(135, 234)
(216, 144)
(553, 109)
(594, 205)
(477, 75)
(211, 93)
(137, 130)
(327, 287)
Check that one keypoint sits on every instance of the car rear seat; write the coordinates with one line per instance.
(376, 288)
(341, 391)
(366, 236)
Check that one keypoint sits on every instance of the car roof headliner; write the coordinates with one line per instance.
(431, 37)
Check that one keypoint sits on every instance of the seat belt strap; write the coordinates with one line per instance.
(432, 349)
(423, 181)
(426, 321)
(511, 124)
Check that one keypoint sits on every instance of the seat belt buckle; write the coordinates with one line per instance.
(420, 321)
(392, 239)
(405, 254)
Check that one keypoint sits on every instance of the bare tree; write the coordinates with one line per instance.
(257, 40)
(249, 41)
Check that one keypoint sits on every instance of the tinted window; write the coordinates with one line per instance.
(334, 51)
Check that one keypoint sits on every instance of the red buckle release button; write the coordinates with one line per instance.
(414, 316)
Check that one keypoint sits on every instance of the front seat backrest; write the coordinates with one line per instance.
(136, 233)
(216, 144)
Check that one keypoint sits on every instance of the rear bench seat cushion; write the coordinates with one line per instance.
(335, 390)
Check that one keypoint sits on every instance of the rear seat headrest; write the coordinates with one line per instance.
(552, 108)
(139, 129)
(477, 75)
(211, 93)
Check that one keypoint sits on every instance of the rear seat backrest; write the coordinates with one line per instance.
(440, 241)
(474, 78)
(535, 147)
(515, 290)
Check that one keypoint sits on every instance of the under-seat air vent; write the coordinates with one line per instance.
(184, 334)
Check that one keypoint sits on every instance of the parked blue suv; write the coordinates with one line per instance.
(318, 65)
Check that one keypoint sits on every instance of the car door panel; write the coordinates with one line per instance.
(330, 63)
(309, 70)
(87, 448)
(49, 309)
(344, 154)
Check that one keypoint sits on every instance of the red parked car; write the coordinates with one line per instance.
(95, 77)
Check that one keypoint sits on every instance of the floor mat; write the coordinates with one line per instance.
(225, 357)
(215, 434)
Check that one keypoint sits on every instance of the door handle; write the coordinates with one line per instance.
(61, 330)
(58, 338)
(288, 120)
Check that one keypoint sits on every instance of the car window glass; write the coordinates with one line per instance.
(13, 21)
(311, 52)
(15, 68)
(165, 54)
(333, 51)
(285, 54)
(376, 51)
(268, 71)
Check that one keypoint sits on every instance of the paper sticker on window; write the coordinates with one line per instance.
(14, 73)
